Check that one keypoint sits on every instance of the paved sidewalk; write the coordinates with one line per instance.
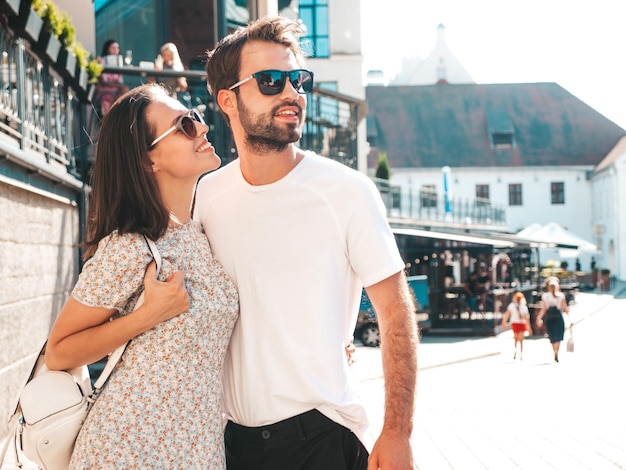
(440, 351)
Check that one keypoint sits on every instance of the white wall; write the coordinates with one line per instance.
(575, 214)
(345, 64)
(609, 226)
(38, 249)
(84, 20)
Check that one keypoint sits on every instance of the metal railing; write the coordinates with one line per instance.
(425, 206)
(42, 122)
(330, 128)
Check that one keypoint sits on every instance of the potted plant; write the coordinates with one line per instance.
(10, 7)
(94, 70)
(27, 23)
(66, 62)
(81, 75)
(49, 44)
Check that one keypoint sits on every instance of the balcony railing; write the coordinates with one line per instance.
(42, 122)
(330, 128)
(425, 206)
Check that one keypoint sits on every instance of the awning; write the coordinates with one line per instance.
(412, 232)
(560, 236)
(531, 242)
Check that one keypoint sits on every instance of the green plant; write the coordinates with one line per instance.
(60, 24)
(82, 54)
(382, 170)
(94, 70)
(68, 32)
(53, 20)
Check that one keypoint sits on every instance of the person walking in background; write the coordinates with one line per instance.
(110, 86)
(553, 305)
(517, 312)
(162, 405)
(300, 235)
(472, 292)
(169, 59)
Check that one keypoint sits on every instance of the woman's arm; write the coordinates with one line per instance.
(83, 335)
(505, 318)
(541, 313)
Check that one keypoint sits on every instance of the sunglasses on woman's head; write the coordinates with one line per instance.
(185, 123)
(272, 82)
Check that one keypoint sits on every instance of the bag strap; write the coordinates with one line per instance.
(11, 436)
(116, 355)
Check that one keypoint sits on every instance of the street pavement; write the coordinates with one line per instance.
(478, 408)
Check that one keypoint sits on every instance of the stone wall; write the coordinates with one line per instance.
(39, 264)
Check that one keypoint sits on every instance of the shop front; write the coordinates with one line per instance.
(471, 279)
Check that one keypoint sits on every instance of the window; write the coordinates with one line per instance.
(428, 195)
(557, 192)
(500, 128)
(515, 194)
(482, 193)
(314, 15)
(502, 140)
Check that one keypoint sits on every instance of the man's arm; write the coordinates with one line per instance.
(395, 311)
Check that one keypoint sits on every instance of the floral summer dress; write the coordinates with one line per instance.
(162, 406)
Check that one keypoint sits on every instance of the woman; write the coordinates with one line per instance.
(110, 86)
(553, 305)
(169, 59)
(162, 405)
(517, 311)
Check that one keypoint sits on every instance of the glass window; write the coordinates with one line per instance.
(557, 192)
(482, 191)
(133, 25)
(428, 195)
(314, 15)
(515, 194)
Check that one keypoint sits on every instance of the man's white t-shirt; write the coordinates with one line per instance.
(299, 251)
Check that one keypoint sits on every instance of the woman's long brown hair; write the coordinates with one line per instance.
(125, 195)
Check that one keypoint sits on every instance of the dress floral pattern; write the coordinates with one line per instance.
(162, 406)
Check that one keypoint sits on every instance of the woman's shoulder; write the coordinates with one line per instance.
(116, 247)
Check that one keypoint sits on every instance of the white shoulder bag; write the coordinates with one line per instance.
(54, 404)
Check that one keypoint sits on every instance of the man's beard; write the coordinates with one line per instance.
(263, 135)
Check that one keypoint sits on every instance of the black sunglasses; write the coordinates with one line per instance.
(272, 82)
(186, 123)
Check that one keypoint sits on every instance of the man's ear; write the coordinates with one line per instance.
(227, 101)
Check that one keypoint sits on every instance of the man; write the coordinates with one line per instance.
(472, 291)
(299, 235)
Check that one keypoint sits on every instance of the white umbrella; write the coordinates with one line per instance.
(528, 231)
(555, 233)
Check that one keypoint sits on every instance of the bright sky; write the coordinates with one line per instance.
(581, 45)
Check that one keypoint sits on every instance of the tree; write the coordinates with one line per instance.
(382, 170)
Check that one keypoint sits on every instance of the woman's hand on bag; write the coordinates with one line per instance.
(167, 299)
